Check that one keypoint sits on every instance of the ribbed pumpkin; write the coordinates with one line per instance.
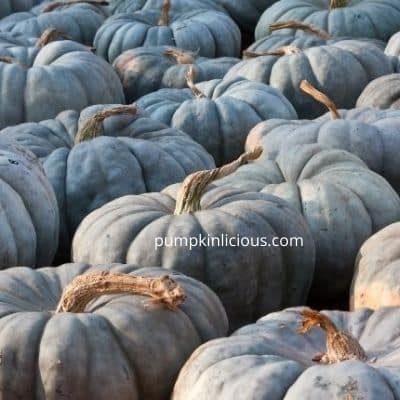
(100, 332)
(370, 134)
(272, 360)
(351, 18)
(61, 75)
(8, 7)
(132, 154)
(78, 19)
(250, 278)
(29, 219)
(146, 69)
(393, 45)
(330, 68)
(218, 114)
(343, 202)
(376, 281)
(210, 33)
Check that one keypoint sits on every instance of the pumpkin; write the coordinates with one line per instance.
(277, 358)
(79, 19)
(220, 238)
(61, 75)
(146, 69)
(370, 134)
(29, 219)
(330, 68)
(132, 154)
(101, 332)
(343, 202)
(218, 114)
(8, 7)
(376, 281)
(210, 33)
(393, 45)
(351, 18)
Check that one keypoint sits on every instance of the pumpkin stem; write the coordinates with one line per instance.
(66, 3)
(282, 51)
(340, 345)
(180, 56)
(190, 78)
(93, 126)
(306, 87)
(164, 16)
(9, 60)
(294, 24)
(87, 287)
(194, 185)
(50, 35)
(337, 4)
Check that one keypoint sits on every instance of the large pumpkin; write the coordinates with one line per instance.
(272, 360)
(351, 18)
(133, 154)
(8, 7)
(79, 20)
(218, 114)
(371, 134)
(210, 33)
(224, 238)
(343, 202)
(376, 281)
(117, 331)
(29, 219)
(331, 68)
(62, 75)
(146, 69)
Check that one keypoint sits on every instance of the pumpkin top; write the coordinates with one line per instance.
(300, 25)
(67, 3)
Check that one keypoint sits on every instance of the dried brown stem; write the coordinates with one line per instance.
(164, 16)
(93, 126)
(322, 98)
(50, 35)
(294, 24)
(337, 4)
(9, 60)
(85, 288)
(282, 51)
(190, 81)
(66, 3)
(193, 187)
(180, 56)
(340, 345)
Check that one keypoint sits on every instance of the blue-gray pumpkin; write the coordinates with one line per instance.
(8, 7)
(218, 114)
(146, 69)
(133, 154)
(210, 33)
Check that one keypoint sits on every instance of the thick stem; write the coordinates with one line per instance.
(8, 60)
(190, 79)
(282, 51)
(189, 194)
(294, 24)
(164, 16)
(48, 36)
(322, 98)
(180, 56)
(66, 3)
(340, 345)
(93, 126)
(85, 288)
(337, 4)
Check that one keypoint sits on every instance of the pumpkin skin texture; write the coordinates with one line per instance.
(393, 46)
(146, 69)
(8, 7)
(343, 202)
(63, 75)
(29, 218)
(221, 120)
(270, 360)
(210, 33)
(325, 67)
(133, 155)
(376, 281)
(103, 353)
(358, 19)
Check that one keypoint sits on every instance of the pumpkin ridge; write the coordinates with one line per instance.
(66, 3)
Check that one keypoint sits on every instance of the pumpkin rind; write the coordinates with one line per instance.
(8, 7)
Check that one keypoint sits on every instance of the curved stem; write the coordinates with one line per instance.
(294, 24)
(337, 4)
(180, 56)
(66, 3)
(193, 187)
(282, 51)
(85, 288)
(190, 79)
(322, 98)
(164, 16)
(48, 36)
(9, 60)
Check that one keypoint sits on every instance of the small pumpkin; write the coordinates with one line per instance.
(218, 114)
(146, 69)
(8, 7)
(101, 332)
(250, 278)
(210, 33)
(29, 218)
(105, 152)
(343, 202)
(284, 356)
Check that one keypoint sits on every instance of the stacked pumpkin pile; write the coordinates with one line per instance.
(151, 154)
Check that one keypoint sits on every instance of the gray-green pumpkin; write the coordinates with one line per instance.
(117, 331)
